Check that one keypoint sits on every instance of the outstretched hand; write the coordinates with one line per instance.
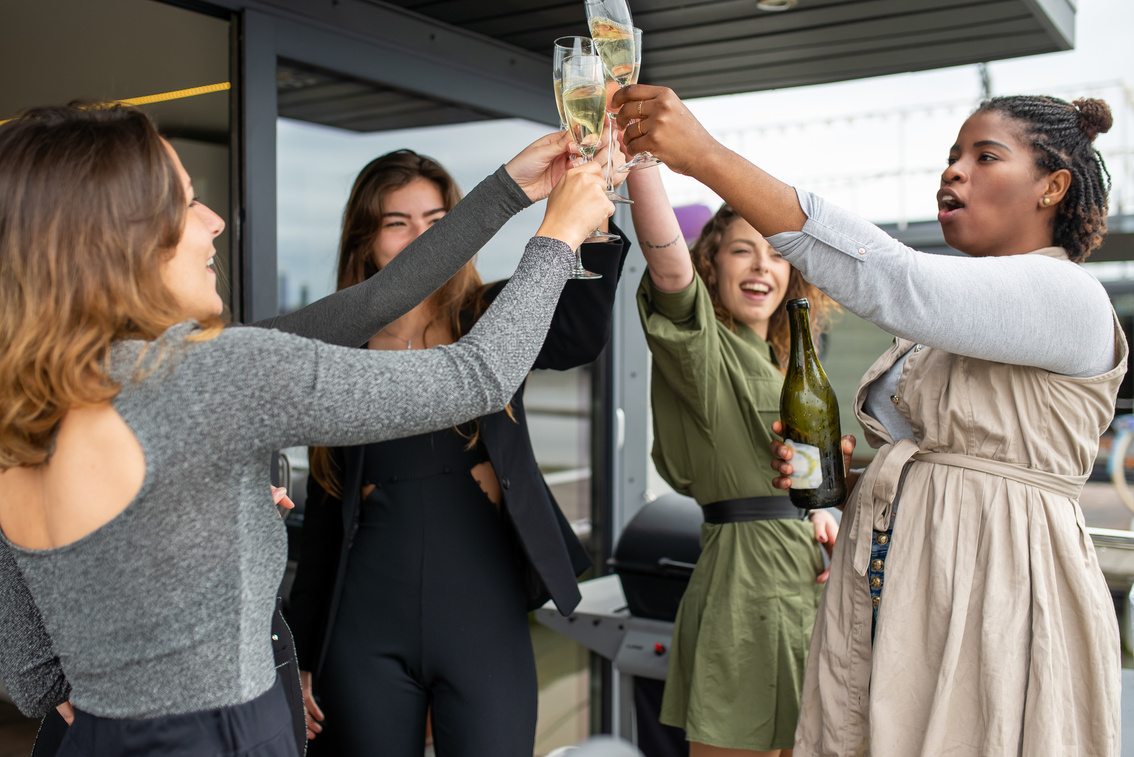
(662, 126)
(540, 165)
(781, 457)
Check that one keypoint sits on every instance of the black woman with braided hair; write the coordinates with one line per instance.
(965, 613)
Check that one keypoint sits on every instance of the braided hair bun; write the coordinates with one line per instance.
(1061, 135)
(1094, 116)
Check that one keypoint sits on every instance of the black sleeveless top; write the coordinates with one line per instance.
(416, 457)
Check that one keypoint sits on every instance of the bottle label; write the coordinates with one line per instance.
(806, 472)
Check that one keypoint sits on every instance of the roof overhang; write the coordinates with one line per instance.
(697, 47)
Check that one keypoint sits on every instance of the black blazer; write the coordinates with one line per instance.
(580, 329)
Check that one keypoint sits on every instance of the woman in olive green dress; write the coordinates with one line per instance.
(715, 322)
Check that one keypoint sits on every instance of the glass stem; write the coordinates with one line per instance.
(610, 155)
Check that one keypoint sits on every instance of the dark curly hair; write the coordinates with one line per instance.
(1062, 135)
(704, 252)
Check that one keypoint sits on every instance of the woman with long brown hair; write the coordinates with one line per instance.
(421, 557)
(715, 318)
(120, 391)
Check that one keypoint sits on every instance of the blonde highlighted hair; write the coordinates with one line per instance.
(91, 207)
(704, 252)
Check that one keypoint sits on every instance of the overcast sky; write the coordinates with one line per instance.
(875, 146)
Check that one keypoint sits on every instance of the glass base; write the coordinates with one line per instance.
(618, 199)
(583, 273)
(641, 160)
(600, 236)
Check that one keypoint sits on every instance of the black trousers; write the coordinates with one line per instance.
(54, 728)
(432, 618)
(262, 727)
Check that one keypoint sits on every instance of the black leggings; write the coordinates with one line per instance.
(432, 615)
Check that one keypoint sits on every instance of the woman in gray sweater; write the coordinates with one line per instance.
(139, 559)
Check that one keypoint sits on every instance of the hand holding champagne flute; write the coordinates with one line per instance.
(666, 128)
(576, 205)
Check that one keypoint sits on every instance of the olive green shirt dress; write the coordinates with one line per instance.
(741, 636)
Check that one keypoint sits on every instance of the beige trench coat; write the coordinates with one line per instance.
(996, 632)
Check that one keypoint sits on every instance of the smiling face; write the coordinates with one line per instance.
(189, 274)
(991, 196)
(406, 213)
(751, 277)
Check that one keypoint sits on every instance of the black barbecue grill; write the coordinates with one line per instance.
(628, 618)
(656, 555)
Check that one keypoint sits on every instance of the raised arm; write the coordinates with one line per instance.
(679, 140)
(580, 327)
(29, 666)
(331, 396)
(1019, 309)
(350, 317)
(667, 255)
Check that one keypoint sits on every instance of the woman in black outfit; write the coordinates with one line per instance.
(421, 557)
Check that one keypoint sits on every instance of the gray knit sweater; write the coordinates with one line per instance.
(166, 609)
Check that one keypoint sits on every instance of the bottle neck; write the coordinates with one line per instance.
(802, 348)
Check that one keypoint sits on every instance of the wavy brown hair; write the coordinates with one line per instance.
(91, 207)
(362, 223)
(704, 252)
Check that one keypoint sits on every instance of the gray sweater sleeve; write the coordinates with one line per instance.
(29, 666)
(350, 317)
(294, 391)
(298, 391)
(1019, 309)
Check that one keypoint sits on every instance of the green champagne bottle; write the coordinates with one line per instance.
(809, 413)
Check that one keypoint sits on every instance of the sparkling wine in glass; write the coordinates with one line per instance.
(584, 110)
(613, 35)
(564, 48)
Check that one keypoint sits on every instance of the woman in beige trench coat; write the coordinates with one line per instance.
(966, 613)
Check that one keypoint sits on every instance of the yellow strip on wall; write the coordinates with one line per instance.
(178, 94)
(165, 96)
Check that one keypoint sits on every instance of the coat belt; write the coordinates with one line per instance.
(876, 493)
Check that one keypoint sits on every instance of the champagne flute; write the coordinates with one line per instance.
(565, 47)
(642, 159)
(612, 32)
(584, 109)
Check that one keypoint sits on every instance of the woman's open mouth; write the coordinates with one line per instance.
(948, 206)
(755, 290)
